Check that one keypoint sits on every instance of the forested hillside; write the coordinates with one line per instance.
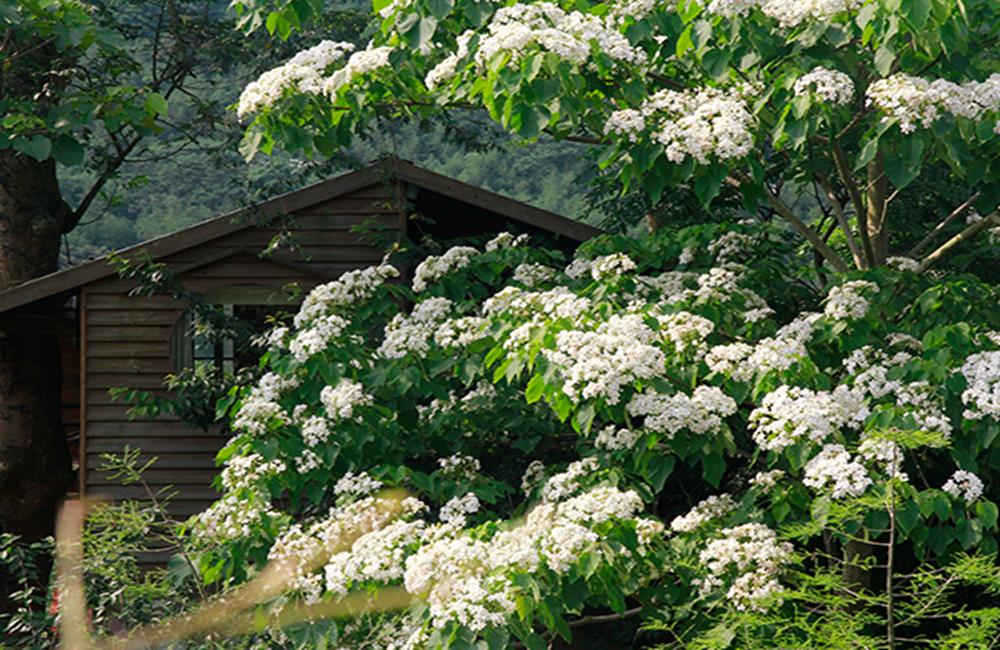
(157, 197)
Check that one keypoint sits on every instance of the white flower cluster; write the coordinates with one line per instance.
(791, 413)
(316, 336)
(315, 431)
(349, 288)
(834, 466)
(884, 453)
(459, 466)
(232, 517)
(611, 266)
(788, 13)
(699, 123)
(455, 510)
(413, 333)
(515, 29)
(685, 331)
(965, 485)
(732, 245)
(767, 481)
(446, 68)
(914, 102)
(437, 266)
(342, 400)
(982, 396)
(751, 551)
(614, 438)
(261, 407)
(847, 301)
(831, 86)
(559, 486)
(533, 475)
(363, 62)
(713, 507)
(532, 275)
(701, 412)
(465, 579)
(599, 364)
(460, 332)
(304, 72)
(506, 240)
(243, 472)
(357, 484)
(902, 263)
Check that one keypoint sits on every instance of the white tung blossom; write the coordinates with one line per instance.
(913, 101)
(702, 123)
(847, 301)
(342, 400)
(701, 412)
(831, 86)
(437, 266)
(964, 485)
(349, 288)
(304, 72)
(412, 333)
(750, 558)
(571, 35)
(614, 438)
(611, 266)
(713, 507)
(833, 467)
(363, 62)
(357, 484)
(790, 413)
(982, 375)
(600, 363)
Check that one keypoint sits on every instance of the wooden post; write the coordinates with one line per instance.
(82, 315)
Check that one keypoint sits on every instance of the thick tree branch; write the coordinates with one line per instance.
(957, 212)
(844, 171)
(786, 213)
(965, 235)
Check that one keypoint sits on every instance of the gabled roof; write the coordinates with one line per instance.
(226, 224)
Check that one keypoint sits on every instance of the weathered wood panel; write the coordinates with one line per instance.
(129, 337)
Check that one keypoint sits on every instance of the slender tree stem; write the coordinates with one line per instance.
(957, 212)
(965, 235)
(786, 213)
(838, 211)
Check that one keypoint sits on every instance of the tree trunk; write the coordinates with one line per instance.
(878, 225)
(34, 457)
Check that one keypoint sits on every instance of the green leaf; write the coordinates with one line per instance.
(535, 389)
(713, 466)
(987, 513)
(67, 151)
(903, 166)
(38, 147)
(440, 8)
(917, 12)
(156, 104)
(884, 58)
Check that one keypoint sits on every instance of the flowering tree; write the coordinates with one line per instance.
(852, 97)
(547, 419)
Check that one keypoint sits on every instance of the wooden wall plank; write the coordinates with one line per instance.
(153, 445)
(125, 332)
(147, 428)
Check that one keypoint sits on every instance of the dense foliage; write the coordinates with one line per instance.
(854, 97)
(545, 421)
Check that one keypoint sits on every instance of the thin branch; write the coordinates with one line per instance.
(838, 211)
(968, 233)
(99, 184)
(785, 212)
(605, 618)
(956, 213)
(859, 207)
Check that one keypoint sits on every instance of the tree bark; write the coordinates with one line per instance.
(34, 457)
(877, 194)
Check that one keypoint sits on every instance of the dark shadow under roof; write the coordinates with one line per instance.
(74, 277)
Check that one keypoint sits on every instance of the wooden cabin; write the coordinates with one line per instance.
(114, 339)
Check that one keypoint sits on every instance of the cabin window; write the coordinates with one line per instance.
(256, 305)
